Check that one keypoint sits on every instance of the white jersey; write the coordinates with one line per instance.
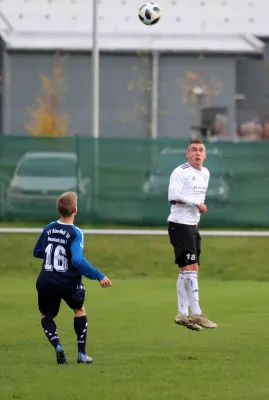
(191, 184)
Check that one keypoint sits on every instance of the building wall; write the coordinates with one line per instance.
(252, 79)
(125, 92)
(180, 109)
(124, 104)
(2, 47)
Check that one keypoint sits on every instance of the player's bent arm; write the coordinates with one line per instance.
(38, 254)
(175, 197)
(38, 250)
(178, 199)
(80, 262)
(175, 187)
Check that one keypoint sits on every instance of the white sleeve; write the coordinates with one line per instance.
(208, 179)
(175, 187)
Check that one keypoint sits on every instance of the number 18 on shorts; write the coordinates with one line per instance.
(186, 241)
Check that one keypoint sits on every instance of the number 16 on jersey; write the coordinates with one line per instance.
(55, 258)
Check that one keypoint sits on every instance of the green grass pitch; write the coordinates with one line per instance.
(140, 354)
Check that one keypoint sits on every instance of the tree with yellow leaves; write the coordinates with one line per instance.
(206, 82)
(46, 116)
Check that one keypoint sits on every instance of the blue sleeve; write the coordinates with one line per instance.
(80, 262)
(38, 250)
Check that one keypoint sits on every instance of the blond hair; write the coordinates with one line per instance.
(67, 203)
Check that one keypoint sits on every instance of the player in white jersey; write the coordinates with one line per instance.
(187, 191)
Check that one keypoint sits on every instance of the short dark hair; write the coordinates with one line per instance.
(195, 141)
(66, 204)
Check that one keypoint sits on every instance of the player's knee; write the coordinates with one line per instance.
(49, 315)
(80, 312)
(190, 267)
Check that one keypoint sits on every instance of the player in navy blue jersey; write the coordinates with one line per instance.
(60, 246)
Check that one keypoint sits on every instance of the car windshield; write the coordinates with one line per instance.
(168, 162)
(214, 163)
(48, 167)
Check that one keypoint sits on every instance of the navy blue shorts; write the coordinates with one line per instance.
(49, 298)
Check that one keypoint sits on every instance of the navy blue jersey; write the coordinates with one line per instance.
(61, 248)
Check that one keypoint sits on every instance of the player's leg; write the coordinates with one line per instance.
(75, 300)
(81, 326)
(179, 240)
(190, 273)
(49, 304)
(182, 296)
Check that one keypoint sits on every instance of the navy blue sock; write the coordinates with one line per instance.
(50, 330)
(80, 326)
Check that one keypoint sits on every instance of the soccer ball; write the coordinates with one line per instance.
(149, 13)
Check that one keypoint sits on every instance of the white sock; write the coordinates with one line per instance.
(191, 285)
(182, 296)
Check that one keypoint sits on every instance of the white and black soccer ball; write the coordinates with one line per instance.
(149, 13)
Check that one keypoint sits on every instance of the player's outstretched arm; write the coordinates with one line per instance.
(105, 282)
(85, 268)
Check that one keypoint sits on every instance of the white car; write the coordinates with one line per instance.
(40, 178)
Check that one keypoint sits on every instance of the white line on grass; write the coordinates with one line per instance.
(142, 232)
